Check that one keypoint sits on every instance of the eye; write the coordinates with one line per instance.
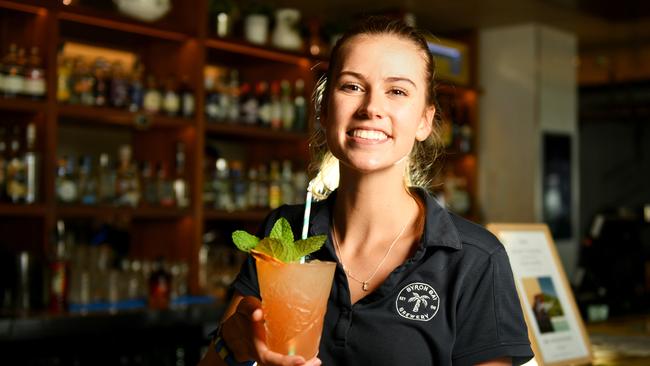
(398, 92)
(350, 87)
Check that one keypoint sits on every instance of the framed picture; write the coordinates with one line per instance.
(556, 330)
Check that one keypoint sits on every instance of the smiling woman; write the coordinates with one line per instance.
(415, 284)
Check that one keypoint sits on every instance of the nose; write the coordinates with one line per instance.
(372, 106)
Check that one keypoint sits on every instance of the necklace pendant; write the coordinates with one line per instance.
(365, 286)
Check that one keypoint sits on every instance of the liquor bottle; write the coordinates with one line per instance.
(165, 187)
(119, 94)
(276, 106)
(32, 163)
(263, 197)
(171, 102)
(64, 74)
(287, 110)
(66, 187)
(211, 98)
(14, 79)
(181, 187)
(300, 106)
(85, 85)
(59, 271)
(264, 104)
(3, 73)
(3, 166)
(208, 197)
(275, 193)
(35, 76)
(221, 88)
(188, 103)
(252, 192)
(136, 89)
(221, 186)
(127, 186)
(106, 180)
(16, 176)
(287, 190)
(75, 81)
(101, 86)
(248, 105)
(232, 113)
(238, 185)
(159, 286)
(87, 181)
(149, 188)
(152, 99)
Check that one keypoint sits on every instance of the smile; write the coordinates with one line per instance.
(372, 135)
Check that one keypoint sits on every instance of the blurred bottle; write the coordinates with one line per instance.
(252, 192)
(248, 105)
(181, 186)
(188, 103)
(165, 186)
(87, 181)
(224, 96)
(300, 106)
(238, 185)
(221, 186)
(287, 108)
(275, 192)
(171, 102)
(16, 186)
(119, 95)
(35, 76)
(287, 191)
(209, 170)
(32, 163)
(85, 84)
(127, 186)
(149, 187)
(106, 180)
(232, 111)
(14, 79)
(159, 286)
(3, 165)
(66, 185)
(136, 89)
(264, 104)
(102, 82)
(59, 271)
(276, 106)
(152, 98)
(263, 191)
(211, 98)
(64, 74)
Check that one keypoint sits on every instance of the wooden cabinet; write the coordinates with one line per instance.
(182, 46)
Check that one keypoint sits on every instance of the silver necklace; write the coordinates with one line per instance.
(364, 284)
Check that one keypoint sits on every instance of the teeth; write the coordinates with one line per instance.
(369, 135)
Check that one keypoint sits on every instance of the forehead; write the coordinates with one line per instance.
(383, 53)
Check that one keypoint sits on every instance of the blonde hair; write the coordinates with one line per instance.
(422, 166)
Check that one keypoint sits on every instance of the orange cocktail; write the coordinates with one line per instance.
(294, 300)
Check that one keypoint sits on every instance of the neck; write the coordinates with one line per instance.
(371, 209)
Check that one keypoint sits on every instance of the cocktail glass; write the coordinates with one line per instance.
(294, 301)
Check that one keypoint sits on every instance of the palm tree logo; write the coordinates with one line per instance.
(418, 300)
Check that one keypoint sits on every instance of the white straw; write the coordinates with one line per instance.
(305, 220)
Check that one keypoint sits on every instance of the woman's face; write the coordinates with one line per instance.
(377, 106)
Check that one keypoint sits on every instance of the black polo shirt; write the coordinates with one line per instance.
(453, 303)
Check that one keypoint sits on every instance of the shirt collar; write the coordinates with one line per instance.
(439, 230)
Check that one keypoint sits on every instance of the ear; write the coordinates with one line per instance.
(426, 122)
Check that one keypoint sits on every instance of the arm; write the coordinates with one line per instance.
(505, 361)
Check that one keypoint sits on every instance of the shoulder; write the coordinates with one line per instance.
(474, 236)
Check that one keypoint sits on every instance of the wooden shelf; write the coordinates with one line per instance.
(142, 213)
(20, 104)
(119, 117)
(253, 132)
(257, 215)
(117, 22)
(19, 210)
(27, 6)
(266, 53)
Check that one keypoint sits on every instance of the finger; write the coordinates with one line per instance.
(314, 362)
(248, 305)
(273, 358)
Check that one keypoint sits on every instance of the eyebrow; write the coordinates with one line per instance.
(389, 79)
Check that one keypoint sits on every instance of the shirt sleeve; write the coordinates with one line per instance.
(490, 323)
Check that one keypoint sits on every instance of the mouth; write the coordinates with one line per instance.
(368, 135)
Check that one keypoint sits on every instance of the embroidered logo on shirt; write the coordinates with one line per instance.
(417, 301)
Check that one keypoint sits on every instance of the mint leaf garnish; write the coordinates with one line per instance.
(244, 241)
(309, 245)
(282, 231)
(279, 244)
